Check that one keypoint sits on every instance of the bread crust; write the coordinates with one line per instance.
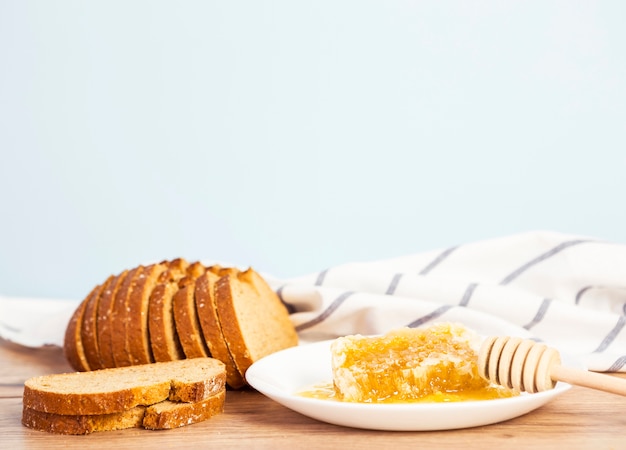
(104, 325)
(89, 330)
(186, 316)
(187, 324)
(119, 316)
(137, 338)
(163, 336)
(73, 345)
(211, 328)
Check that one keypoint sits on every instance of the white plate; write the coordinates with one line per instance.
(282, 375)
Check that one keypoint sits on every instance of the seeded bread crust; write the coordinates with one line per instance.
(109, 391)
(73, 344)
(211, 328)
(118, 318)
(89, 330)
(186, 319)
(137, 343)
(187, 324)
(163, 336)
(254, 321)
(105, 315)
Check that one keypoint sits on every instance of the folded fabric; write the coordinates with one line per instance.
(568, 291)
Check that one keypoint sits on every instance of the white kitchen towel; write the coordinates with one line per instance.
(568, 291)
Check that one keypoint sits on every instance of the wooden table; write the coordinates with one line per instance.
(580, 418)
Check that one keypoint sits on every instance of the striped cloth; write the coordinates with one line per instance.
(568, 291)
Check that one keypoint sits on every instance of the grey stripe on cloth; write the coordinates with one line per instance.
(428, 317)
(290, 308)
(394, 284)
(320, 277)
(541, 312)
(562, 246)
(326, 313)
(9, 327)
(612, 335)
(435, 262)
(618, 364)
(580, 293)
(467, 295)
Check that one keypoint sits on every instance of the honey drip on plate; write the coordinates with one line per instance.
(327, 392)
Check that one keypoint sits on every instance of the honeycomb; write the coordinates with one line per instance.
(437, 364)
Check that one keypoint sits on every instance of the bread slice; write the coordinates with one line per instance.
(166, 415)
(118, 317)
(137, 338)
(115, 390)
(104, 325)
(89, 330)
(211, 329)
(160, 416)
(164, 339)
(82, 423)
(186, 319)
(253, 320)
(73, 344)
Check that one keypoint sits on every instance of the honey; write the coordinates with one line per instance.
(326, 391)
(435, 364)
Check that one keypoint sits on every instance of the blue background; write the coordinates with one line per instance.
(293, 136)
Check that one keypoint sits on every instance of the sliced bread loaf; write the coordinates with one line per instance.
(175, 310)
(109, 391)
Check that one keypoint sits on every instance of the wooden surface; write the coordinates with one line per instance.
(580, 418)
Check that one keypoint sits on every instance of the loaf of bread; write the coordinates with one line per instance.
(175, 310)
(406, 364)
(155, 396)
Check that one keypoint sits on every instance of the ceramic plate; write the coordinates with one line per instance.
(283, 375)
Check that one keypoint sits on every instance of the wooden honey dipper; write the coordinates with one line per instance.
(529, 366)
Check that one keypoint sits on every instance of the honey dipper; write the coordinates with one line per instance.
(529, 366)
